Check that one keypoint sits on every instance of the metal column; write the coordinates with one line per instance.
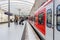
(53, 19)
(9, 12)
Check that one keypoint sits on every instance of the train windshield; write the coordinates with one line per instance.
(49, 18)
(58, 17)
(40, 18)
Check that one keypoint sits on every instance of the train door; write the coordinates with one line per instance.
(57, 28)
(42, 21)
(57, 20)
(49, 25)
(49, 21)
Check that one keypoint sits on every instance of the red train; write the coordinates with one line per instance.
(45, 17)
(39, 22)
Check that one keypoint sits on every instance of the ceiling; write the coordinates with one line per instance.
(24, 6)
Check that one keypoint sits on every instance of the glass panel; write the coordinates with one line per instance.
(49, 18)
(40, 18)
(58, 17)
(35, 18)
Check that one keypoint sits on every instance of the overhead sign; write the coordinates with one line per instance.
(7, 13)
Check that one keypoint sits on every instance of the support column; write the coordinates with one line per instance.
(9, 12)
(53, 19)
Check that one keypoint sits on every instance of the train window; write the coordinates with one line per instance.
(58, 17)
(40, 18)
(34, 18)
(49, 18)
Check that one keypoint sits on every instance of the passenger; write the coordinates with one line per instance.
(21, 21)
(16, 20)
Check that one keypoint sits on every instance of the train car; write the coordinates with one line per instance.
(40, 20)
(43, 26)
(43, 20)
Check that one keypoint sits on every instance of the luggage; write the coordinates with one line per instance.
(19, 22)
(22, 23)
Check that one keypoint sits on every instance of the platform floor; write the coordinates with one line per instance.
(15, 32)
(30, 33)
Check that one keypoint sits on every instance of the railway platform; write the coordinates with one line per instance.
(17, 32)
